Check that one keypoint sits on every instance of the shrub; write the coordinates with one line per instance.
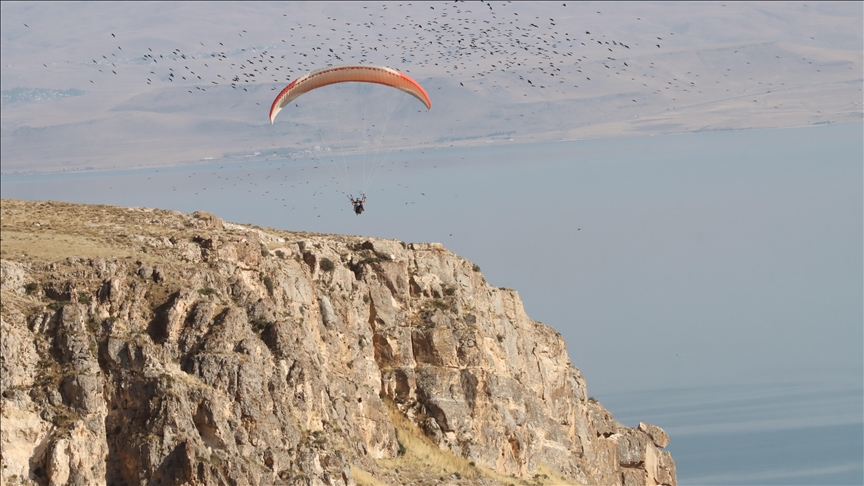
(93, 326)
(265, 252)
(268, 282)
(476, 268)
(327, 265)
(59, 304)
(260, 325)
(207, 291)
(31, 287)
(500, 338)
(448, 290)
(439, 304)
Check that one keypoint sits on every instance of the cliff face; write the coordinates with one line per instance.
(154, 347)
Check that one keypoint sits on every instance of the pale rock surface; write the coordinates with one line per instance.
(213, 358)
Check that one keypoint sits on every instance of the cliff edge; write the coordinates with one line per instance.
(143, 346)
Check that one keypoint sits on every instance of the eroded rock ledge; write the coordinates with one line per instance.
(154, 347)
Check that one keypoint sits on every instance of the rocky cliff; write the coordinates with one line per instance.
(144, 346)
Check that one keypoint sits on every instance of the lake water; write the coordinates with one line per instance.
(709, 283)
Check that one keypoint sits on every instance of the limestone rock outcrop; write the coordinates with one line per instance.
(156, 347)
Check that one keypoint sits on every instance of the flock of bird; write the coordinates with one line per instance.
(467, 42)
(482, 46)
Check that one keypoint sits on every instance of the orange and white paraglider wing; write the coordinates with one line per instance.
(356, 73)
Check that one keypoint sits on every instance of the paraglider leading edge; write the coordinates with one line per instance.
(348, 73)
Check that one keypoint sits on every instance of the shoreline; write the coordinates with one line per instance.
(474, 142)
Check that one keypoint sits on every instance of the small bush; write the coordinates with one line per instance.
(59, 304)
(327, 265)
(280, 254)
(93, 326)
(448, 290)
(268, 282)
(84, 299)
(31, 288)
(592, 400)
(476, 268)
(500, 338)
(207, 291)
(439, 304)
(64, 418)
(260, 325)
(402, 449)
(265, 252)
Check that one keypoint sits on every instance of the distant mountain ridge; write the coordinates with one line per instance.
(145, 346)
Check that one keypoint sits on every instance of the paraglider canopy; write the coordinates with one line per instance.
(348, 73)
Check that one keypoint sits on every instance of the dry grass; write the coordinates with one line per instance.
(425, 458)
(50, 231)
(363, 478)
(46, 246)
(545, 476)
(554, 477)
(421, 454)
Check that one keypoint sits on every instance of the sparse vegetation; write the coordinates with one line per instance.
(207, 291)
(58, 304)
(92, 325)
(439, 304)
(327, 265)
(31, 288)
(268, 282)
(363, 478)
(260, 325)
(421, 454)
(64, 418)
(476, 268)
